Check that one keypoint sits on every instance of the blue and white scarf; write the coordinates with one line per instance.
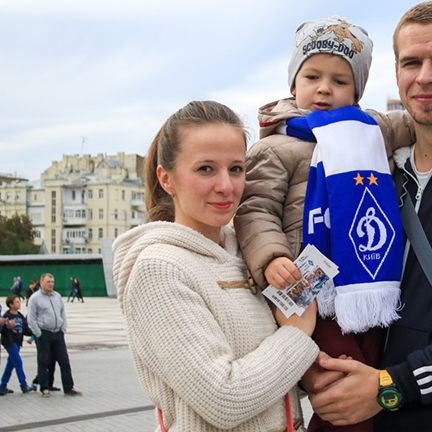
(351, 215)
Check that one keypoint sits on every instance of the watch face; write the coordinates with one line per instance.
(389, 398)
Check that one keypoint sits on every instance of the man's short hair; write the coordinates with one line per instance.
(44, 275)
(418, 14)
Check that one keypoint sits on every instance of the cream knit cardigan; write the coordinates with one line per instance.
(211, 358)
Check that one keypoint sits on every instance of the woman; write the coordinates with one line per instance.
(206, 348)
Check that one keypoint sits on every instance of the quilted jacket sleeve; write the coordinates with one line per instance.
(271, 185)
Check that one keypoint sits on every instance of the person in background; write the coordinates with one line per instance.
(47, 320)
(73, 290)
(30, 290)
(11, 339)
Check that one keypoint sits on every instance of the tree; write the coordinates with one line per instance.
(16, 236)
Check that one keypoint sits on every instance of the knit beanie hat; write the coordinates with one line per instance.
(334, 35)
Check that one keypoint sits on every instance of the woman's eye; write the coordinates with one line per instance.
(205, 169)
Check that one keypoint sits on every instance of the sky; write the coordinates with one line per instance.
(101, 76)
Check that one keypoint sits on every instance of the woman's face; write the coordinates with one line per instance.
(208, 179)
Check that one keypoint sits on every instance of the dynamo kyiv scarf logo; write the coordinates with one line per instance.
(371, 234)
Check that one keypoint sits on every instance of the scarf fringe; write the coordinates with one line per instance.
(326, 300)
(359, 310)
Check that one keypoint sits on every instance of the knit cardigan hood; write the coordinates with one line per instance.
(131, 244)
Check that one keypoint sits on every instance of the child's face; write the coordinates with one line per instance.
(324, 82)
(16, 304)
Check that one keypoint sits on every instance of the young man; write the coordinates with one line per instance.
(47, 320)
(404, 385)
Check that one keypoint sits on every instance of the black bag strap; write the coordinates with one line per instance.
(413, 227)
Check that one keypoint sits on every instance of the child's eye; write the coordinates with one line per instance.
(341, 82)
(311, 77)
(237, 169)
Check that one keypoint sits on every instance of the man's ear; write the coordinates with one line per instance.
(397, 71)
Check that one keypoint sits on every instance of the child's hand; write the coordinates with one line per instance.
(281, 272)
(10, 324)
(306, 322)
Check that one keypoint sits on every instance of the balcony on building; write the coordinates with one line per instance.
(74, 237)
(74, 215)
(137, 199)
(137, 218)
(37, 216)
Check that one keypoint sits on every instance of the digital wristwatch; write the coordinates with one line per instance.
(389, 397)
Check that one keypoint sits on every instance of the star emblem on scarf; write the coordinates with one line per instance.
(372, 179)
(359, 179)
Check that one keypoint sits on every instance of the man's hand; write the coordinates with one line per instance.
(351, 399)
(317, 379)
(281, 272)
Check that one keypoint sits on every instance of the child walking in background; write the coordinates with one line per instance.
(322, 141)
(11, 339)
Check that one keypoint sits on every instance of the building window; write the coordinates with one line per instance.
(100, 193)
(90, 233)
(115, 232)
(80, 213)
(89, 250)
(101, 213)
(100, 233)
(73, 195)
(123, 195)
(53, 240)
(90, 214)
(116, 214)
(53, 206)
(90, 194)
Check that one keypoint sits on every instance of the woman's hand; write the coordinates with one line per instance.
(305, 322)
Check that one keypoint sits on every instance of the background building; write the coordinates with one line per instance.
(394, 104)
(79, 201)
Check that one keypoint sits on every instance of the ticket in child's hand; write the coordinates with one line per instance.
(317, 273)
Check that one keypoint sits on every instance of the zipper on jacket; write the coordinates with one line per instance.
(55, 315)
